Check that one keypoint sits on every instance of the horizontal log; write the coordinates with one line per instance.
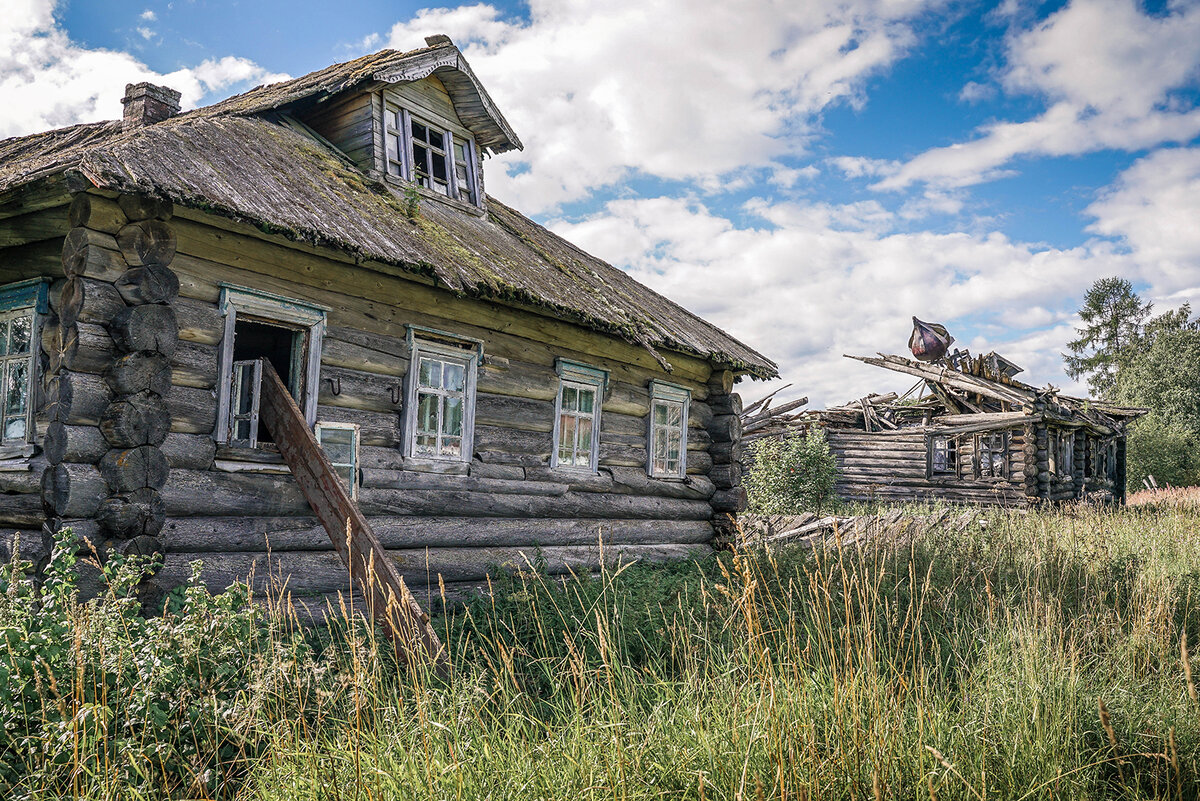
(147, 243)
(699, 463)
(33, 227)
(22, 510)
(195, 365)
(23, 482)
(199, 321)
(137, 514)
(511, 446)
(311, 572)
(138, 207)
(356, 389)
(134, 373)
(96, 212)
(366, 351)
(77, 398)
(81, 348)
(92, 254)
(131, 469)
(221, 534)
(620, 454)
(81, 444)
(725, 428)
(136, 420)
(731, 500)
(87, 300)
(72, 490)
(149, 284)
(190, 451)
(191, 493)
(150, 328)
(523, 414)
(406, 479)
(34, 260)
(193, 411)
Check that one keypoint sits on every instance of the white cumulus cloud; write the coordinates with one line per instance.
(49, 81)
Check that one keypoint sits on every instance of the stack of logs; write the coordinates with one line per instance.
(896, 527)
(725, 428)
(108, 344)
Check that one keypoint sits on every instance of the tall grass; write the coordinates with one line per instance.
(1039, 656)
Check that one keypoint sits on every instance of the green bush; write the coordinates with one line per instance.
(791, 474)
(1165, 449)
(98, 701)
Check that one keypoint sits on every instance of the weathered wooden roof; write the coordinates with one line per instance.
(971, 400)
(243, 159)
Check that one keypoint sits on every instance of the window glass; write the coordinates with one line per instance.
(440, 161)
(991, 456)
(16, 363)
(944, 455)
(340, 443)
(667, 435)
(442, 400)
(576, 424)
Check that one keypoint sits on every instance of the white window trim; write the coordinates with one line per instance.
(309, 317)
(572, 372)
(17, 297)
(470, 353)
(355, 463)
(393, 103)
(662, 391)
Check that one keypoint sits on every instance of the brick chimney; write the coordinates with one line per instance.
(146, 104)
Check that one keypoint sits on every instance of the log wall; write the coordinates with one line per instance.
(893, 466)
(133, 350)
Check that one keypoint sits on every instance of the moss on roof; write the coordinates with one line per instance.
(240, 159)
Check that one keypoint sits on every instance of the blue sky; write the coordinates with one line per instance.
(806, 175)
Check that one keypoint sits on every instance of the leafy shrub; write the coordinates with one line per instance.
(1165, 449)
(791, 474)
(97, 700)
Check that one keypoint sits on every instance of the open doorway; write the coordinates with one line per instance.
(280, 345)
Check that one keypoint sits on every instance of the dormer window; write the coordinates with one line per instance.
(429, 154)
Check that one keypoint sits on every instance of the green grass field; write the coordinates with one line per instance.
(1039, 656)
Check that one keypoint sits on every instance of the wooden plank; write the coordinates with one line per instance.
(390, 601)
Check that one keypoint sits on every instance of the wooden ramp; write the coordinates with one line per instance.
(388, 599)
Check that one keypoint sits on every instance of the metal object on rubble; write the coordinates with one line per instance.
(929, 341)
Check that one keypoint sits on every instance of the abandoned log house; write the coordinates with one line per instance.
(968, 431)
(479, 385)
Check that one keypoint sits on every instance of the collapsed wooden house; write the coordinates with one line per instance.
(480, 385)
(970, 432)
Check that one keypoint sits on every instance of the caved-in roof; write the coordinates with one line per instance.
(243, 159)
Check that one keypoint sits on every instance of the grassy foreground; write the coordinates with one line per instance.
(1040, 656)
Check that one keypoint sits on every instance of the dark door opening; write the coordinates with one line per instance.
(276, 344)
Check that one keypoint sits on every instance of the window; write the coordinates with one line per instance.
(441, 400)
(991, 456)
(429, 154)
(1062, 453)
(943, 456)
(340, 443)
(577, 414)
(1091, 457)
(284, 332)
(668, 430)
(20, 305)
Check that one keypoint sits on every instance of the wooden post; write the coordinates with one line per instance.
(389, 599)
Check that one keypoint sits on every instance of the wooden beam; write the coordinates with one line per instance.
(950, 378)
(380, 582)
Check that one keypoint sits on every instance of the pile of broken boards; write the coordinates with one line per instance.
(897, 527)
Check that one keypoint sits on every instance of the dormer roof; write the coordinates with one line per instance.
(442, 59)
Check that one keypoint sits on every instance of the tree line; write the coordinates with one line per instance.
(1131, 356)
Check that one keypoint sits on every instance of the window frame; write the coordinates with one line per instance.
(16, 299)
(309, 322)
(392, 107)
(1004, 450)
(464, 349)
(953, 445)
(663, 392)
(586, 376)
(1062, 454)
(355, 459)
